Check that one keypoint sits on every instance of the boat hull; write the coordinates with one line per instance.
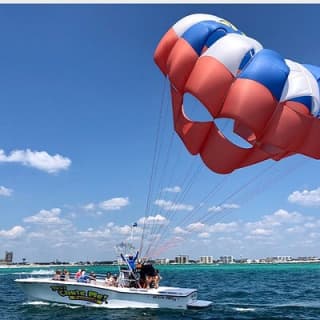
(97, 294)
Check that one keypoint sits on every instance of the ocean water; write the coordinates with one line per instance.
(284, 291)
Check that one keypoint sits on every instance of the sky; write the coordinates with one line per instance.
(87, 146)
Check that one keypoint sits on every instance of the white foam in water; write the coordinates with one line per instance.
(305, 304)
(36, 303)
(37, 272)
(44, 303)
(100, 306)
(245, 309)
(42, 272)
(65, 305)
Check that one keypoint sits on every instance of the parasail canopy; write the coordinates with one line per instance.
(273, 101)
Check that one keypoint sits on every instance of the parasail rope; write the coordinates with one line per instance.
(208, 197)
(154, 165)
(173, 241)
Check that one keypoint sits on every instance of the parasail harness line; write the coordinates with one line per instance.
(154, 166)
(171, 242)
(206, 217)
(272, 179)
(188, 182)
(163, 228)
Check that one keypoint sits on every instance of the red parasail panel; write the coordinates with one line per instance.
(253, 98)
(210, 82)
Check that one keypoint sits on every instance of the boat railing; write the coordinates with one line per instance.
(87, 278)
(53, 275)
(127, 278)
(124, 279)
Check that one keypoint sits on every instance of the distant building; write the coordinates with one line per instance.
(278, 259)
(206, 259)
(182, 259)
(306, 259)
(284, 258)
(227, 259)
(162, 261)
(8, 258)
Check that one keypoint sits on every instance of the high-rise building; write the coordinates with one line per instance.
(182, 259)
(206, 259)
(226, 259)
(162, 261)
(8, 258)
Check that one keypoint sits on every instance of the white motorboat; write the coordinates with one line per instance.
(97, 293)
(130, 288)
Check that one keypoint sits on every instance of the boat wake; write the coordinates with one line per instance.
(36, 303)
(298, 304)
(36, 272)
(52, 304)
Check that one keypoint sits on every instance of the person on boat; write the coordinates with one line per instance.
(138, 266)
(147, 274)
(66, 274)
(110, 281)
(83, 277)
(131, 261)
(156, 280)
(62, 275)
(115, 280)
(78, 274)
(56, 276)
(92, 277)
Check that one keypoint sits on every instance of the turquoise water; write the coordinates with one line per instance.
(286, 291)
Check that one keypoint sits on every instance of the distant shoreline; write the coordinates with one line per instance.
(21, 266)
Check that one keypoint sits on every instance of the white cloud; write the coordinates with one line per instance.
(179, 230)
(314, 235)
(158, 219)
(171, 206)
(223, 207)
(283, 216)
(13, 233)
(46, 217)
(312, 225)
(125, 230)
(204, 235)
(261, 232)
(175, 189)
(114, 204)
(277, 219)
(37, 159)
(95, 234)
(295, 229)
(36, 235)
(223, 227)
(89, 207)
(306, 198)
(197, 226)
(5, 191)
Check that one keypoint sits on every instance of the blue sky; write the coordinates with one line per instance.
(80, 98)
